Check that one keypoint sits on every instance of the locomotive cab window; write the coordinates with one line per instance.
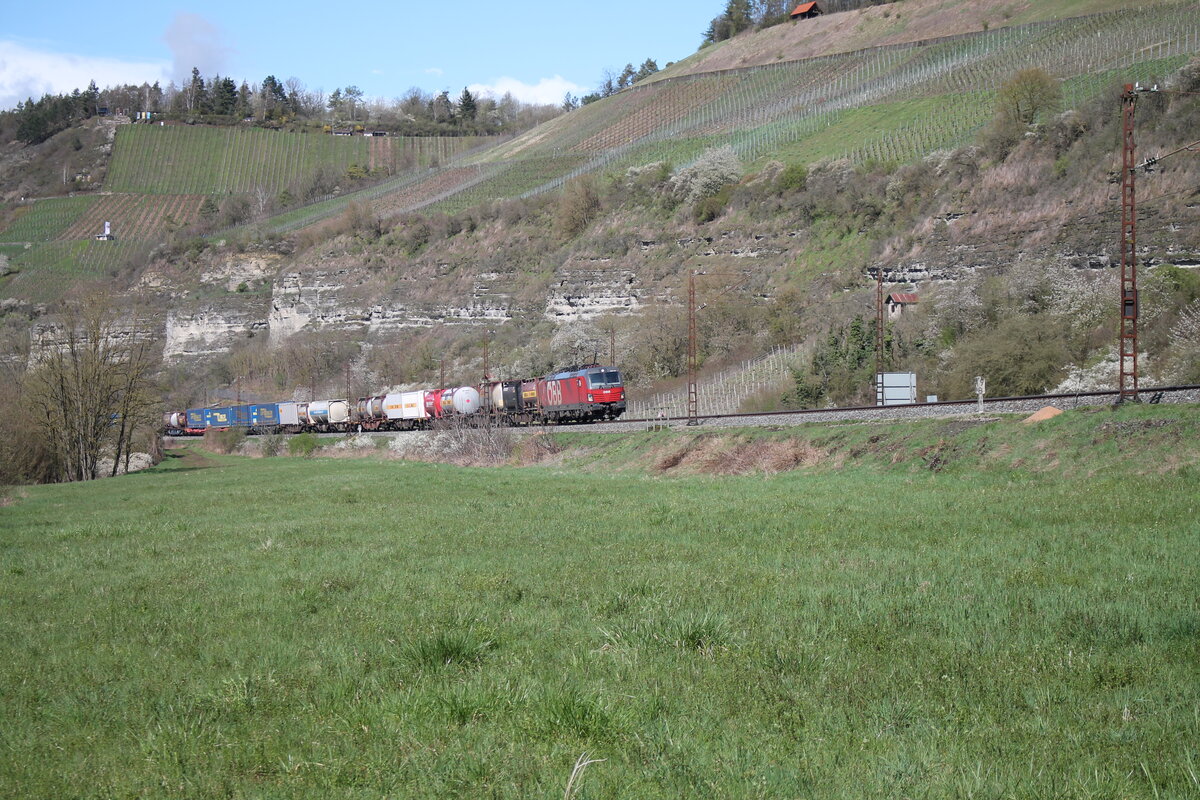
(603, 379)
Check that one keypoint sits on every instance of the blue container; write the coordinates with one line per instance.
(241, 416)
(195, 418)
(264, 414)
(218, 417)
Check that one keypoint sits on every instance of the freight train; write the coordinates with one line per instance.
(589, 393)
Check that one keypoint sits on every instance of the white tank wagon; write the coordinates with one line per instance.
(327, 414)
(460, 402)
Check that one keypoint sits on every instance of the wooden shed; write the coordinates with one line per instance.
(806, 10)
(898, 301)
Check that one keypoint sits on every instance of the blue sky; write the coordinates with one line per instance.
(539, 50)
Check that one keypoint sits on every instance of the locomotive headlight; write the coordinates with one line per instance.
(589, 398)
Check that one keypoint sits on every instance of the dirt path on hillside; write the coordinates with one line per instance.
(189, 458)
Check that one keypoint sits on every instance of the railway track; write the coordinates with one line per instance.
(952, 408)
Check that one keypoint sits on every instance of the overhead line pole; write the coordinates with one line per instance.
(692, 358)
(1128, 343)
(879, 326)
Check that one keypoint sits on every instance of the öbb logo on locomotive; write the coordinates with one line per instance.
(588, 393)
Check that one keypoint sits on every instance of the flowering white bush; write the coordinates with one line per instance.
(714, 169)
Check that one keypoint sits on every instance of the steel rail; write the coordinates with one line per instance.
(1114, 393)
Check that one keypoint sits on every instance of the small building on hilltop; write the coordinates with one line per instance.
(806, 11)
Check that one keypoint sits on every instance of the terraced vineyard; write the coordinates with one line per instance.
(53, 243)
(161, 175)
(892, 103)
(202, 160)
(889, 103)
(46, 271)
(46, 220)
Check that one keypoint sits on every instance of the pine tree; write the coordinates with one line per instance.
(626, 77)
(466, 105)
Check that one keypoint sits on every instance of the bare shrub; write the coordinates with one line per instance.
(271, 444)
(538, 447)
(224, 441)
(580, 204)
(479, 445)
(460, 442)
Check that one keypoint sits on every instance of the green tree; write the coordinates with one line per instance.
(353, 96)
(1030, 96)
(224, 96)
(272, 98)
(195, 94)
(625, 79)
(90, 100)
(335, 102)
(648, 68)
(466, 105)
(242, 107)
(208, 208)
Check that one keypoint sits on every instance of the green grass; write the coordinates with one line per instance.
(410, 630)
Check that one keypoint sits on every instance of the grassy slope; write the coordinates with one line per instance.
(883, 25)
(414, 630)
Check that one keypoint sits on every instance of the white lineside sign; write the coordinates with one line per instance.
(895, 388)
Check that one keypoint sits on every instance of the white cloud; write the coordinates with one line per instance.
(435, 71)
(198, 43)
(26, 73)
(547, 91)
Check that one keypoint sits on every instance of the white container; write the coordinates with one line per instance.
(289, 414)
(393, 406)
(413, 405)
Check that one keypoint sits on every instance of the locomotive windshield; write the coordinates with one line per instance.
(604, 379)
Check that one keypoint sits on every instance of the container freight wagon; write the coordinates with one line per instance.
(218, 417)
(329, 415)
(196, 421)
(504, 400)
(240, 416)
(460, 402)
(404, 410)
(289, 414)
(264, 416)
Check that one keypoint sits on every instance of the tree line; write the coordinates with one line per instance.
(612, 83)
(278, 103)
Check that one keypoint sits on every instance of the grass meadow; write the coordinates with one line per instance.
(362, 628)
